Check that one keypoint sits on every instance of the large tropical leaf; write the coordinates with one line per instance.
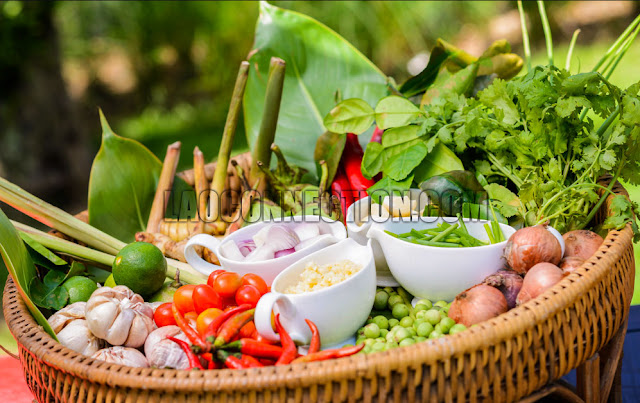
(319, 62)
(123, 182)
(16, 259)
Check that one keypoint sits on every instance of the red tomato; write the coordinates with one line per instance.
(229, 303)
(191, 318)
(226, 284)
(256, 281)
(205, 318)
(204, 297)
(248, 294)
(183, 298)
(163, 316)
(212, 277)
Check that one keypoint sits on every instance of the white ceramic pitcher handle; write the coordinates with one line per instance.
(194, 259)
(289, 318)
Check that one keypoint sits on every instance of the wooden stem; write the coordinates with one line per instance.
(202, 189)
(273, 96)
(220, 175)
(165, 183)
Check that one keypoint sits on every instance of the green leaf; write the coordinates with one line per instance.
(20, 266)
(319, 62)
(42, 251)
(459, 83)
(329, 147)
(76, 269)
(372, 160)
(395, 111)
(123, 182)
(480, 212)
(506, 201)
(401, 165)
(350, 116)
(440, 160)
(399, 135)
(49, 296)
(387, 186)
(497, 96)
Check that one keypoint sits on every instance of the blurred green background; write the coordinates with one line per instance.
(164, 71)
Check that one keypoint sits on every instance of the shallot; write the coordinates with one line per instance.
(530, 246)
(539, 278)
(508, 282)
(581, 243)
(477, 304)
(571, 263)
(164, 353)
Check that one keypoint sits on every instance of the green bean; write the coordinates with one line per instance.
(462, 225)
(444, 233)
(432, 243)
(489, 233)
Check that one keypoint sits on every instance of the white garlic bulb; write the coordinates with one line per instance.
(123, 356)
(164, 353)
(119, 316)
(72, 331)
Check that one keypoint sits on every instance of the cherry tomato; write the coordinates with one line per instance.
(226, 284)
(246, 331)
(212, 277)
(256, 281)
(205, 318)
(229, 303)
(191, 317)
(248, 294)
(204, 297)
(163, 316)
(183, 298)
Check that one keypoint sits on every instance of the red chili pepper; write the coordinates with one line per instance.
(211, 363)
(341, 188)
(190, 332)
(247, 330)
(266, 362)
(194, 361)
(376, 137)
(250, 362)
(352, 157)
(289, 349)
(254, 348)
(258, 337)
(232, 326)
(230, 360)
(328, 354)
(314, 346)
(212, 329)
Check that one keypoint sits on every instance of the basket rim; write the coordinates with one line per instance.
(514, 322)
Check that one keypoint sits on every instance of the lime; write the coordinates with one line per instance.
(79, 288)
(165, 293)
(140, 266)
(110, 282)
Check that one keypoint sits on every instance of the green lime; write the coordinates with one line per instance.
(79, 288)
(110, 282)
(140, 266)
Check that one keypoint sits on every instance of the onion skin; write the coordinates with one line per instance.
(540, 278)
(508, 282)
(571, 263)
(479, 303)
(581, 243)
(530, 246)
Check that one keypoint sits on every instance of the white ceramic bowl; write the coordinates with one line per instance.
(338, 311)
(330, 232)
(438, 273)
(357, 229)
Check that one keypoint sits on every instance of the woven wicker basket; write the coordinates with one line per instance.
(503, 359)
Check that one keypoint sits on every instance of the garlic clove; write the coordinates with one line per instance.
(306, 231)
(122, 356)
(77, 337)
(67, 315)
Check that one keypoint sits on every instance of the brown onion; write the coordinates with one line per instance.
(477, 304)
(581, 243)
(508, 282)
(571, 263)
(530, 246)
(539, 278)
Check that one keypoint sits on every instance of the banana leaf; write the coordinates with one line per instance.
(123, 182)
(17, 260)
(319, 62)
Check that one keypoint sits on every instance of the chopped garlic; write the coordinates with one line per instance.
(315, 277)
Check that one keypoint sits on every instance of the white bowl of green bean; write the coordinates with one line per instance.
(438, 257)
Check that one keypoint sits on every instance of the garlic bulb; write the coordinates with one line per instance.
(123, 356)
(164, 353)
(119, 316)
(72, 331)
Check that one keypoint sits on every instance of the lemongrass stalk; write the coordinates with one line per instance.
(525, 35)
(56, 218)
(608, 71)
(547, 31)
(572, 44)
(202, 189)
(165, 182)
(220, 174)
(614, 47)
(262, 146)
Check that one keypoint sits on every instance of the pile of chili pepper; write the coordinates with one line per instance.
(349, 184)
(221, 345)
